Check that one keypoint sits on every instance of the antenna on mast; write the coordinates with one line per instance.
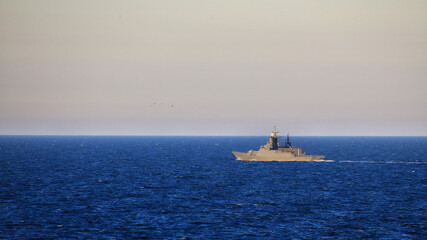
(274, 133)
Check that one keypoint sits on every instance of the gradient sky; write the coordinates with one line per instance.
(227, 67)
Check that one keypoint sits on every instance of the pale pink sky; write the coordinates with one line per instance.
(227, 67)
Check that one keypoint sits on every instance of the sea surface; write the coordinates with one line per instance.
(109, 187)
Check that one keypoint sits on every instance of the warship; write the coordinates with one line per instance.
(272, 151)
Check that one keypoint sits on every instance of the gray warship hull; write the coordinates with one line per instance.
(273, 151)
(275, 155)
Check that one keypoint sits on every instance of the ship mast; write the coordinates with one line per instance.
(288, 142)
(274, 140)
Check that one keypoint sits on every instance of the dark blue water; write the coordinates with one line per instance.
(191, 187)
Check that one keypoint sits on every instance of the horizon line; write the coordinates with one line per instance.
(207, 135)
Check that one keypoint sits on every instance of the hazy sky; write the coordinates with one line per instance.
(227, 67)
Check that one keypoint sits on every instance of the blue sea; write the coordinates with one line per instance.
(122, 187)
